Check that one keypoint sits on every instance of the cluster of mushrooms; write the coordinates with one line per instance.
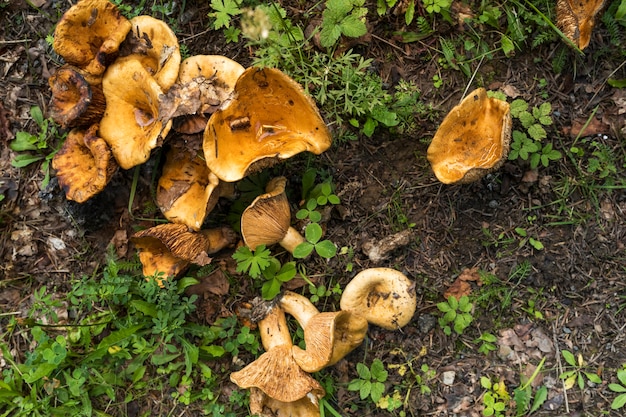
(124, 91)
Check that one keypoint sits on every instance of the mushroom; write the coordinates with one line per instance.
(267, 220)
(75, 100)
(132, 124)
(264, 406)
(186, 190)
(89, 34)
(576, 19)
(383, 296)
(84, 164)
(472, 140)
(154, 44)
(169, 248)
(268, 118)
(275, 372)
(329, 336)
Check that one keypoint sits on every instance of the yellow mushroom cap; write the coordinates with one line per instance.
(383, 296)
(268, 118)
(576, 19)
(472, 140)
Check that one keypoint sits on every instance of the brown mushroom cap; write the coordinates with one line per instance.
(472, 140)
(84, 164)
(75, 101)
(275, 372)
(383, 296)
(89, 34)
(329, 336)
(264, 406)
(185, 188)
(268, 118)
(132, 123)
(154, 44)
(267, 220)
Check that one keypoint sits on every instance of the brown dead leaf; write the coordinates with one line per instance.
(214, 283)
(594, 127)
(461, 286)
(120, 243)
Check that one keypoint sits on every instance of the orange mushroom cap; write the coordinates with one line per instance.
(576, 19)
(472, 140)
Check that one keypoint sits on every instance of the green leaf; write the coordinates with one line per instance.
(376, 391)
(270, 289)
(508, 47)
(37, 115)
(326, 249)
(224, 10)
(443, 307)
(378, 371)
(621, 374)
(313, 232)
(618, 402)
(303, 250)
(369, 126)
(365, 390)
(517, 107)
(149, 309)
(163, 358)
(329, 35)
(593, 377)
(353, 27)
(569, 357)
(537, 132)
(286, 272)
(214, 350)
(540, 397)
(363, 371)
(453, 302)
(23, 160)
(485, 382)
(24, 141)
(617, 388)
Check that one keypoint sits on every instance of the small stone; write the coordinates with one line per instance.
(426, 323)
(447, 378)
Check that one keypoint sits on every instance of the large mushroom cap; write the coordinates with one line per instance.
(89, 34)
(472, 140)
(154, 44)
(132, 123)
(268, 118)
(84, 164)
(576, 19)
(383, 296)
(223, 70)
(186, 187)
(268, 219)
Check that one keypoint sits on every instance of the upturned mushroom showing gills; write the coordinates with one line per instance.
(329, 336)
(276, 373)
(267, 220)
(576, 19)
(84, 164)
(383, 296)
(89, 35)
(132, 123)
(472, 140)
(267, 119)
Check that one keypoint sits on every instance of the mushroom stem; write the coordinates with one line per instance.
(219, 238)
(300, 307)
(274, 330)
(292, 239)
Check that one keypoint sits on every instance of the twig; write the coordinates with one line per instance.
(559, 366)
(15, 41)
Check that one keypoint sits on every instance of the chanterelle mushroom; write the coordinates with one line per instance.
(329, 336)
(268, 118)
(268, 219)
(89, 34)
(275, 372)
(84, 164)
(472, 140)
(384, 296)
(576, 18)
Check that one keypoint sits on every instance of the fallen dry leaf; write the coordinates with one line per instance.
(120, 243)
(461, 286)
(594, 127)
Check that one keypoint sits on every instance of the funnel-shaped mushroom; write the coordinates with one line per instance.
(169, 248)
(132, 123)
(186, 188)
(577, 18)
(472, 140)
(264, 406)
(384, 296)
(154, 44)
(329, 336)
(275, 372)
(84, 164)
(89, 35)
(268, 219)
(75, 100)
(269, 118)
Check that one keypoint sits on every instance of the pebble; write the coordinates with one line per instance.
(448, 377)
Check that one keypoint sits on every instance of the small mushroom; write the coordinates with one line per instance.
(576, 19)
(75, 100)
(267, 220)
(268, 118)
(132, 123)
(275, 372)
(84, 164)
(329, 336)
(384, 296)
(89, 34)
(186, 189)
(154, 44)
(170, 248)
(472, 140)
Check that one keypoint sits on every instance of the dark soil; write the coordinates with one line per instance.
(576, 284)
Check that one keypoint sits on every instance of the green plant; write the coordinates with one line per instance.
(370, 382)
(495, 398)
(224, 11)
(40, 144)
(523, 233)
(315, 196)
(577, 375)
(437, 6)
(487, 343)
(342, 17)
(313, 234)
(456, 313)
(522, 395)
(620, 389)
(259, 263)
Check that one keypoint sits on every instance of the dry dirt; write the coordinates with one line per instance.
(577, 282)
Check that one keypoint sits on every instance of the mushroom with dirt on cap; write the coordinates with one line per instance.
(472, 140)
(383, 296)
